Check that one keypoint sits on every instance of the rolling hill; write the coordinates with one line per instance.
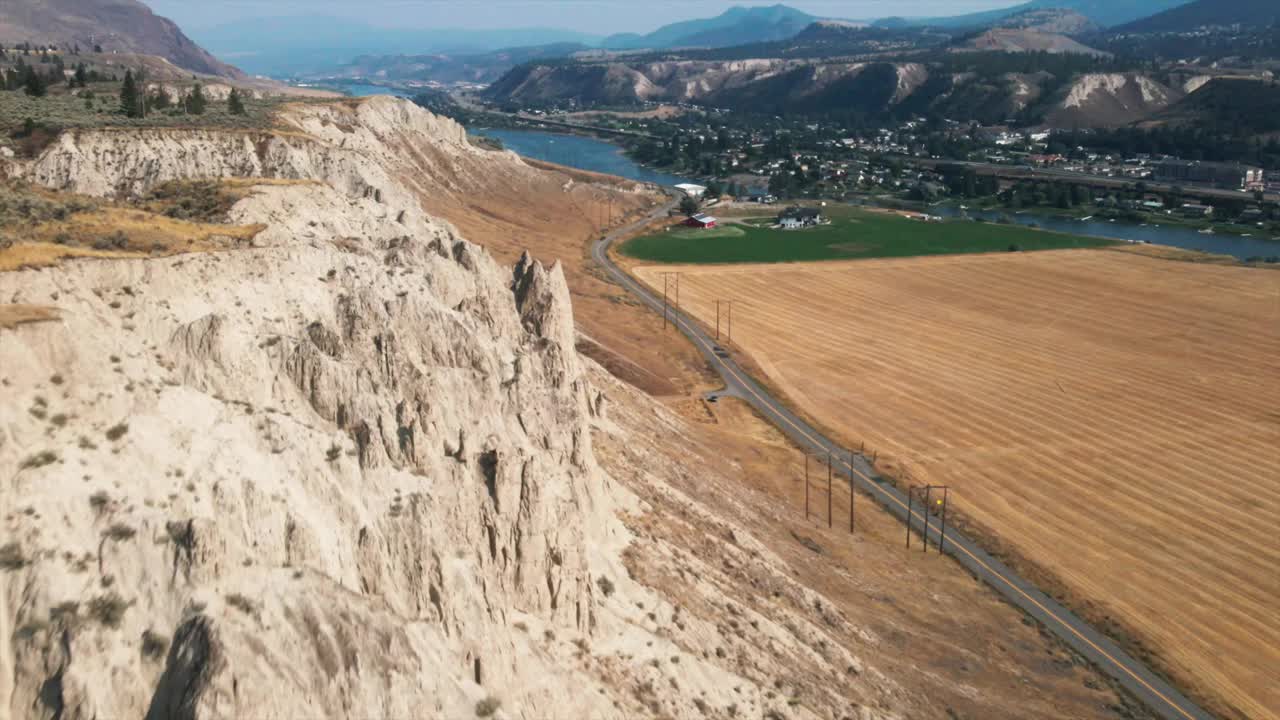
(1103, 12)
(736, 26)
(1240, 106)
(452, 68)
(1013, 40)
(125, 26)
(1202, 13)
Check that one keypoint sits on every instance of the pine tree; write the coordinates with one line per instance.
(235, 105)
(129, 96)
(195, 101)
(81, 78)
(160, 99)
(34, 83)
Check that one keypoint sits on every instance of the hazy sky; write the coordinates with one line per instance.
(593, 16)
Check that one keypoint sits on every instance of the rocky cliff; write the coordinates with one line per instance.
(348, 470)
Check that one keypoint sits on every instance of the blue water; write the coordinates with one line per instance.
(1223, 244)
(578, 152)
(364, 90)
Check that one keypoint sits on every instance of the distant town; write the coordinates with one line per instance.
(927, 161)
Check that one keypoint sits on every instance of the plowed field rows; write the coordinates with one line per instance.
(1114, 418)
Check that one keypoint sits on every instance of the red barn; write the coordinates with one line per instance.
(701, 221)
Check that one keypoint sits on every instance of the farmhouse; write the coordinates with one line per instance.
(799, 217)
(704, 222)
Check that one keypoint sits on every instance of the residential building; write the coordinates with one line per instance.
(798, 217)
(1233, 176)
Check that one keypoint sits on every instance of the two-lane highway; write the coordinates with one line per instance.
(1157, 694)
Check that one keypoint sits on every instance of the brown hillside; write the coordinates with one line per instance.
(116, 25)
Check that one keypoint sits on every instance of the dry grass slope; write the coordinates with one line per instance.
(1112, 416)
(43, 227)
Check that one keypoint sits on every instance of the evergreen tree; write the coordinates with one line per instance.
(129, 96)
(235, 105)
(195, 101)
(159, 100)
(34, 83)
(81, 78)
(688, 205)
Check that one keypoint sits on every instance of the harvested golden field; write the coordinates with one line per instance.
(1113, 419)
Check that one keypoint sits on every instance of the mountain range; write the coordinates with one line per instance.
(736, 26)
(295, 45)
(317, 45)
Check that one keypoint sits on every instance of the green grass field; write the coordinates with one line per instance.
(852, 234)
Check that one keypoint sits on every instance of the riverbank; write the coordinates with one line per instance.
(1158, 219)
(578, 151)
(1240, 246)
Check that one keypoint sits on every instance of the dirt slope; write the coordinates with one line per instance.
(1015, 40)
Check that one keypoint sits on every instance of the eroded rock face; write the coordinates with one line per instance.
(233, 431)
(381, 149)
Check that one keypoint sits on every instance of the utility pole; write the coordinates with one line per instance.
(852, 494)
(942, 536)
(728, 315)
(911, 494)
(928, 490)
(666, 277)
(806, 487)
(829, 490)
(664, 302)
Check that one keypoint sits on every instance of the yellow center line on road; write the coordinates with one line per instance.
(748, 386)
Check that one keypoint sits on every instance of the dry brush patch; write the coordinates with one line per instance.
(1111, 416)
(44, 227)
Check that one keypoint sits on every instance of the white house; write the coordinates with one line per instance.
(693, 191)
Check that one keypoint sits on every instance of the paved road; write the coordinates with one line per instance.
(1158, 695)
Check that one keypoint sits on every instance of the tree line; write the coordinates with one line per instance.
(137, 102)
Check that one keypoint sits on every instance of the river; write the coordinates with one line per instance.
(1223, 244)
(576, 151)
(356, 89)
